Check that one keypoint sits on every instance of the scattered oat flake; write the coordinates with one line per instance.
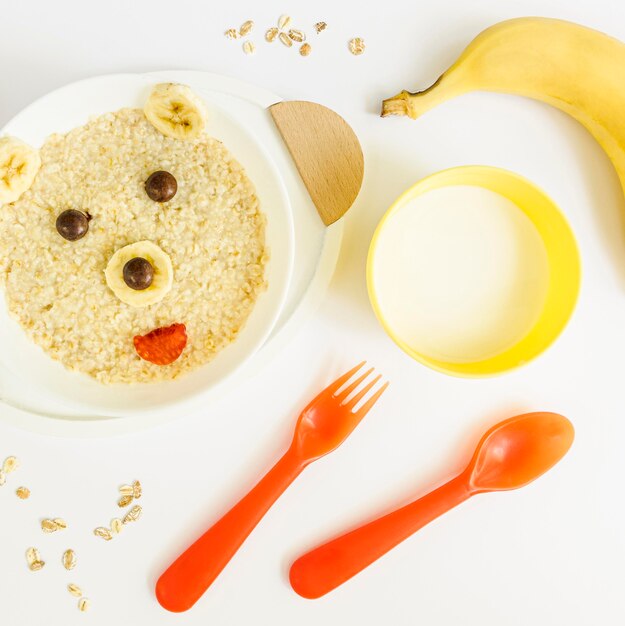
(116, 526)
(357, 45)
(36, 566)
(105, 533)
(23, 493)
(284, 22)
(69, 559)
(84, 604)
(10, 464)
(126, 490)
(32, 555)
(124, 501)
(232, 33)
(61, 524)
(305, 49)
(3, 478)
(320, 26)
(271, 34)
(297, 35)
(133, 515)
(49, 526)
(286, 40)
(75, 590)
(249, 47)
(246, 28)
(137, 489)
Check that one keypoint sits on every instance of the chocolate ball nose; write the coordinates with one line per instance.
(138, 273)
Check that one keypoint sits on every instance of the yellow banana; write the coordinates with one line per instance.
(576, 69)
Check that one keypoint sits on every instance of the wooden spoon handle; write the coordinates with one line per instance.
(330, 565)
(192, 573)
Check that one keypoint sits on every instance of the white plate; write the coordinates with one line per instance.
(43, 381)
(316, 253)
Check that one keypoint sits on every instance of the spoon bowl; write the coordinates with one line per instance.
(515, 452)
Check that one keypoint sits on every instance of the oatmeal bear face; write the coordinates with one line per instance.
(135, 255)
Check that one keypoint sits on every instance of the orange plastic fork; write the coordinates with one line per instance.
(322, 426)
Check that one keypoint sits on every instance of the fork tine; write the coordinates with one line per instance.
(339, 382)
(366, 407)
(345, 393)
(361, 394)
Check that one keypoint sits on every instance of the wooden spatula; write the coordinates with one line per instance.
(326, 152)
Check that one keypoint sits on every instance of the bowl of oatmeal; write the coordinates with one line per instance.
(145, 263)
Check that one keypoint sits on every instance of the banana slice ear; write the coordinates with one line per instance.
(176, 111)
(19, 164)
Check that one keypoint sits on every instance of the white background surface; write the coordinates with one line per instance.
(550, 554)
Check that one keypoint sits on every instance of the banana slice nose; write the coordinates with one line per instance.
(161, 280)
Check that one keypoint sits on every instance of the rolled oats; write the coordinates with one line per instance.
(33, 559)
(124, 501)
(133, 515)
(69, 559)
(126, 490)
(104, 533)
(75, 590)
(297, 35)
(283, 22)
(10, 464)
(32, 555)
(49, 526)
(23, 493)
(286, 40)
(246, 28)
(356, 45)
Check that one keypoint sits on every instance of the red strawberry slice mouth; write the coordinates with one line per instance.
(162, 346)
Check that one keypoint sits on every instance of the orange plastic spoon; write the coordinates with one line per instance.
(510, 455)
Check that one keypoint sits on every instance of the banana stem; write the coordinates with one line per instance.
(397, 105)
(414, 104)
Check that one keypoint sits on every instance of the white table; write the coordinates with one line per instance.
(551, 554)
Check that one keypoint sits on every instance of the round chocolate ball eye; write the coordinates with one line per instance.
(72, 225)
(138, 273)
(161, 186)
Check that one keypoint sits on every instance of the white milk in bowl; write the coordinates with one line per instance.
(461, 274)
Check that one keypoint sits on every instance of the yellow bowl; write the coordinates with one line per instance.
(562, 263)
